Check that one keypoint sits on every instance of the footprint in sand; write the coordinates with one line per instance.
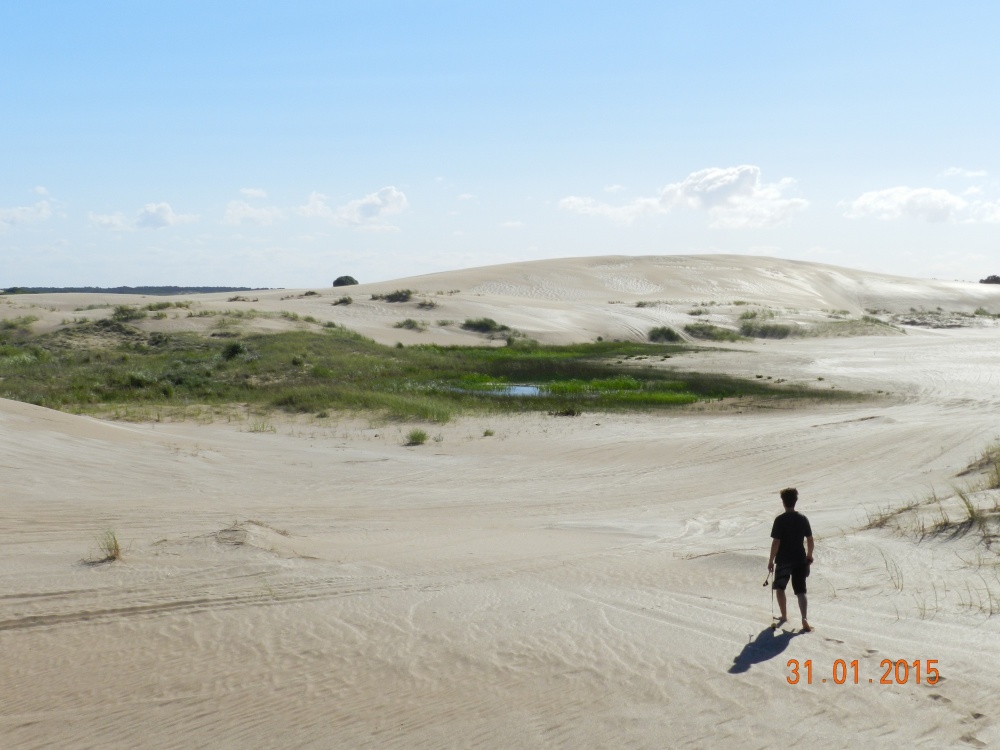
(970, 740)
(938, 697)
(832, 640)
(870, 652)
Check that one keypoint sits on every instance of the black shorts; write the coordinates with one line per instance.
(798, 572)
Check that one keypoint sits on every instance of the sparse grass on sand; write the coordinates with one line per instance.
(109, 549)
(973, 508)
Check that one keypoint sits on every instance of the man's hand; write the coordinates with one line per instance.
(770, 567)
(809, 559)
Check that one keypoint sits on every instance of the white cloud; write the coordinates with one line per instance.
(988, 212)
(115, 222)
(315, 207)
(238, 212)
(39, 190)
(253, 192)
(465, 196)
(364, 213)
(159, 215)
(150, 216)
(41, 211)
(927, 204)
(372, 207)
(733, 197)
(960, 172)
(625, 214)
(613, 188)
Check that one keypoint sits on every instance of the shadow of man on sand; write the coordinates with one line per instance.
(768, 644)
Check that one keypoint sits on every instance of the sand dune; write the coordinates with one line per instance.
(590, 582)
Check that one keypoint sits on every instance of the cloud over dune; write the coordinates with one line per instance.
(40, 211)
(928, 204)
(734, 197)
(364, 213)
(239, 212)
(150, 216)
(925, 204)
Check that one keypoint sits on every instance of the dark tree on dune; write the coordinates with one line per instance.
(994, 279)
(345, 281)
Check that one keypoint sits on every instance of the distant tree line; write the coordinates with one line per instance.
(152, 290)
(994, 279)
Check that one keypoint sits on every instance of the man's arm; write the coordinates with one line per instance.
(810, 546)
(775, 543)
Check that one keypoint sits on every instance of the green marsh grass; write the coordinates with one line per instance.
(108, 366)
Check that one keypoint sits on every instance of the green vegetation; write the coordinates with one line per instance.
(345, 281)
(145, 290)
(664, 334)
(711, 333)
(126, 313)
(345, 300)
(759, 330)
(109, 548)
(484, 325)
(400, 295)
(154, 306)
(108, 366)
(18, 324)
(411, 325)
(416, 437)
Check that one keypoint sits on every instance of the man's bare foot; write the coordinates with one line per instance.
(806, 627)
(778, 623)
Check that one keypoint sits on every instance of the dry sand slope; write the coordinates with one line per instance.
(590, 582)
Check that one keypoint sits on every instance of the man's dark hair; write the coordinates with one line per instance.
(789, 496)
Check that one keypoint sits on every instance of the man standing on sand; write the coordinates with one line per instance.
(787, 533)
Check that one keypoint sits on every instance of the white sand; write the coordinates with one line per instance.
(586, 582)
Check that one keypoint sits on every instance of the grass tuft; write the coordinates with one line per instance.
(109, 548)
(416, 437)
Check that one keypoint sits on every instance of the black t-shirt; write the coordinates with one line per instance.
(791, 527)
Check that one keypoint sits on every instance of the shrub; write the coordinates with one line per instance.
(125, 313)
(427, 304)
(664, 334)
(994, 279)
(765, 330)
(345, 281)
(410, 324)
(400, 295)
(484, 325)
(416, 437)
(345, 300)
(711, 332)
(233, 350)
(13, 324)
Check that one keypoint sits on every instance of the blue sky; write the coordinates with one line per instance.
(285, 144)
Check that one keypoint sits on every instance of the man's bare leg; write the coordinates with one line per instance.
(779, 594)
(802, 609)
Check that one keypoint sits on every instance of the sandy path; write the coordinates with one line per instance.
(566, 583)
